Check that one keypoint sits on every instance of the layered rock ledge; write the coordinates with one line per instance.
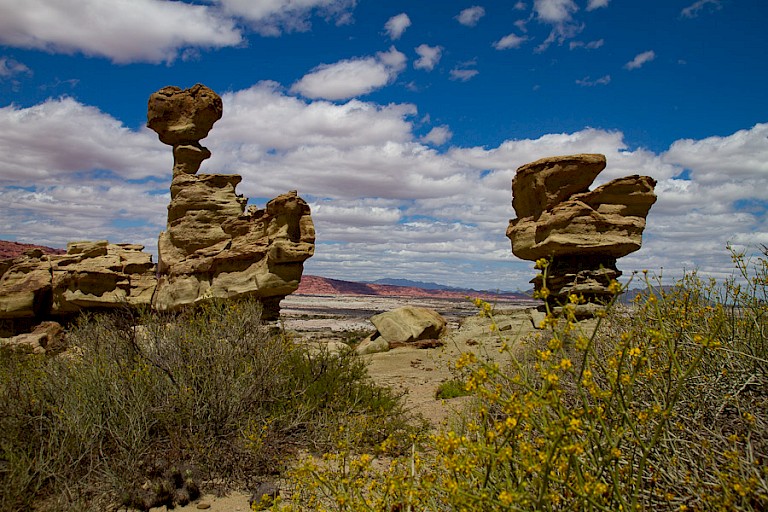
(581, 232)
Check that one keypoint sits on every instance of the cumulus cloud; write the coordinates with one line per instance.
(438, 135)
(273, 17)
(429, 56)
(396, 25)
(464, 71)
(559, 14)
(125, 31)
(640, 59)
(588, 82)
(509, 41)
(693, 10)
(554, 11)
(10, 67)
(471, 16)
(46, 142)
(353, 77)
(596, 4)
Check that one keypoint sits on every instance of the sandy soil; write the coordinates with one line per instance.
(418, 372)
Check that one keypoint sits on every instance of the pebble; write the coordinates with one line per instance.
(203, 506)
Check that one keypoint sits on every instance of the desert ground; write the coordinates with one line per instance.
(315, 319)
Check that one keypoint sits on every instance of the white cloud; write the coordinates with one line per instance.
(509, 41)
(353, 77)
(10, 67)
(263, 118)
(742, 155)
(464, 71)
(559, 14)
(272, 17)
(554, 11)
(471, 15)
(592, 45)
(640, 59)
(596, 4)
(695, 8)
(520, 6)
(120, 30)
(588, 82)
(45, 143)
(429, 56)
(438, 136)
(396, 25)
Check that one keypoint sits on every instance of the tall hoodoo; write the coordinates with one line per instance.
(215, 245)
(582, 232)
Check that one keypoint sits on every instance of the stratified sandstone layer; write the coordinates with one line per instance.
(215, 246)
(582, 232)
(91, 275)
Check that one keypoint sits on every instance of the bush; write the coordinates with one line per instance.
(662, 405)
(143, 401)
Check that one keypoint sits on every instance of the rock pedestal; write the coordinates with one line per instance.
(215, 245)
(581, 232)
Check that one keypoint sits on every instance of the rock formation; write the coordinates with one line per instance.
(582, 232)
(213, 245)
(408, 324)
(91, 275)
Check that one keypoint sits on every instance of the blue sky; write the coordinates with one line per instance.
(402, 123)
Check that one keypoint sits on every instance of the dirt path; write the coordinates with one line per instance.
(417, 372)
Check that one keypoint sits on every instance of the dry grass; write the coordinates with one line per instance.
(144, 409)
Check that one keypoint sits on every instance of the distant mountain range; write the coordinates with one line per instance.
(14, 249)
(315, 285)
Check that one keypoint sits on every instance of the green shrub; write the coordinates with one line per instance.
(451, 389)
(660, 406)
(139, 396)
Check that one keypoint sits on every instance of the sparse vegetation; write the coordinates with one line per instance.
(662, 405)
(144, 409)
(451, 389)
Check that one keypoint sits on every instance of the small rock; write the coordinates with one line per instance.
(203, 505)
(369, 346)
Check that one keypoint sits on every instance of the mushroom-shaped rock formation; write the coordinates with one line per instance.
(582, 232)
(215, 245)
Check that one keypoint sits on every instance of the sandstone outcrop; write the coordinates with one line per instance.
(91, 275)
(215, 245)
(44, 338)
(408, 324)
(582, 232)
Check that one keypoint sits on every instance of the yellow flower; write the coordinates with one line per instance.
(506, 498)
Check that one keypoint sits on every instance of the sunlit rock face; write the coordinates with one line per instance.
(214, 245)
(583, 232)
(90, 276)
